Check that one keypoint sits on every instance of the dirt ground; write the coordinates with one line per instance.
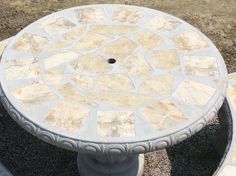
(195, 156)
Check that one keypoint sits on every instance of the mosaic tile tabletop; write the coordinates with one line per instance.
(112, 73)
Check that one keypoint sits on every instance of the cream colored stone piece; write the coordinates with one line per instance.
(125, 14)
(83, 81)
(232, 76)
(75, 34)
(137, 65)
(58, 59)
(232, 94)
(194, 93)
(163, 23)
(56, 25)
(17, 69)
(91, 41)
(158, 85)
(115, 82)
(67, 116)
(30, 43)
(167, 59)
(33, 95)
(74, 96)
(92, 63)
(120, 49)
(91, 15)
(190, 41)
(148, 40)
(3, 45)
(54, 75)
(228, 170)
(115, 124)
(113, 30)
(200, 65)
(121, 99)
(58, 45)
(163, 115)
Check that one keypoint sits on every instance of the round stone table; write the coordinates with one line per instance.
(111, 82)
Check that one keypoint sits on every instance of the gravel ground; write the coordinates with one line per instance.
(25, 155)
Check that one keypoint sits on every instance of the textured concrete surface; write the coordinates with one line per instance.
(25, 155)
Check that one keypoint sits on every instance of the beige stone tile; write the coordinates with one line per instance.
(54, 75)
(163, 115)
(113, 30)
(92, 63)
(75, 34)
(167, 59)
(115, 82)
(91, 15)
(194, 93)
(125, 14)
(158, 85)
(228, 170)
(120, 49)
(17, 69)
(189, 41)
(232, 95)
(3, 45)
(137, 65)
(72, 95)
(67, 116)
(56, 25)
(83, 81)
(232, 76)
(121, 99)
(58, 45)
(30, 43)
(200, 65)
(91, 41)
(58, 59)
(115, 123)
(33, 95)
(163, 23)
(148, 40)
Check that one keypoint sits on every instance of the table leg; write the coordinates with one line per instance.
(110, 165)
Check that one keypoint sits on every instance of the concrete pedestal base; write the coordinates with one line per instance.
(110, 165)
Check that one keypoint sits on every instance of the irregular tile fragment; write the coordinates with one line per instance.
(16, 69)
(119, 49)
(83, 81)
(68, 116)
(163, 23)
(58, 59)
(115, 82)
(92, 63)
(75, 34)
(91, 41)
(158, 85)
(166, 59)
(163, 114)
(115, 123)
(113, 30)
(54, 75)
(56, 25)
(148, 40)
(125, 14)
(91, 15)
(137, 65)
(200, 65)
(194, 93)
(72, 95)
(30, 43)
(189, 41)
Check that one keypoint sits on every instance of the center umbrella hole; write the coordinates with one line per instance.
(111, 61)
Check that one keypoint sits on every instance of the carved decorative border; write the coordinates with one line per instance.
(110, 148)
